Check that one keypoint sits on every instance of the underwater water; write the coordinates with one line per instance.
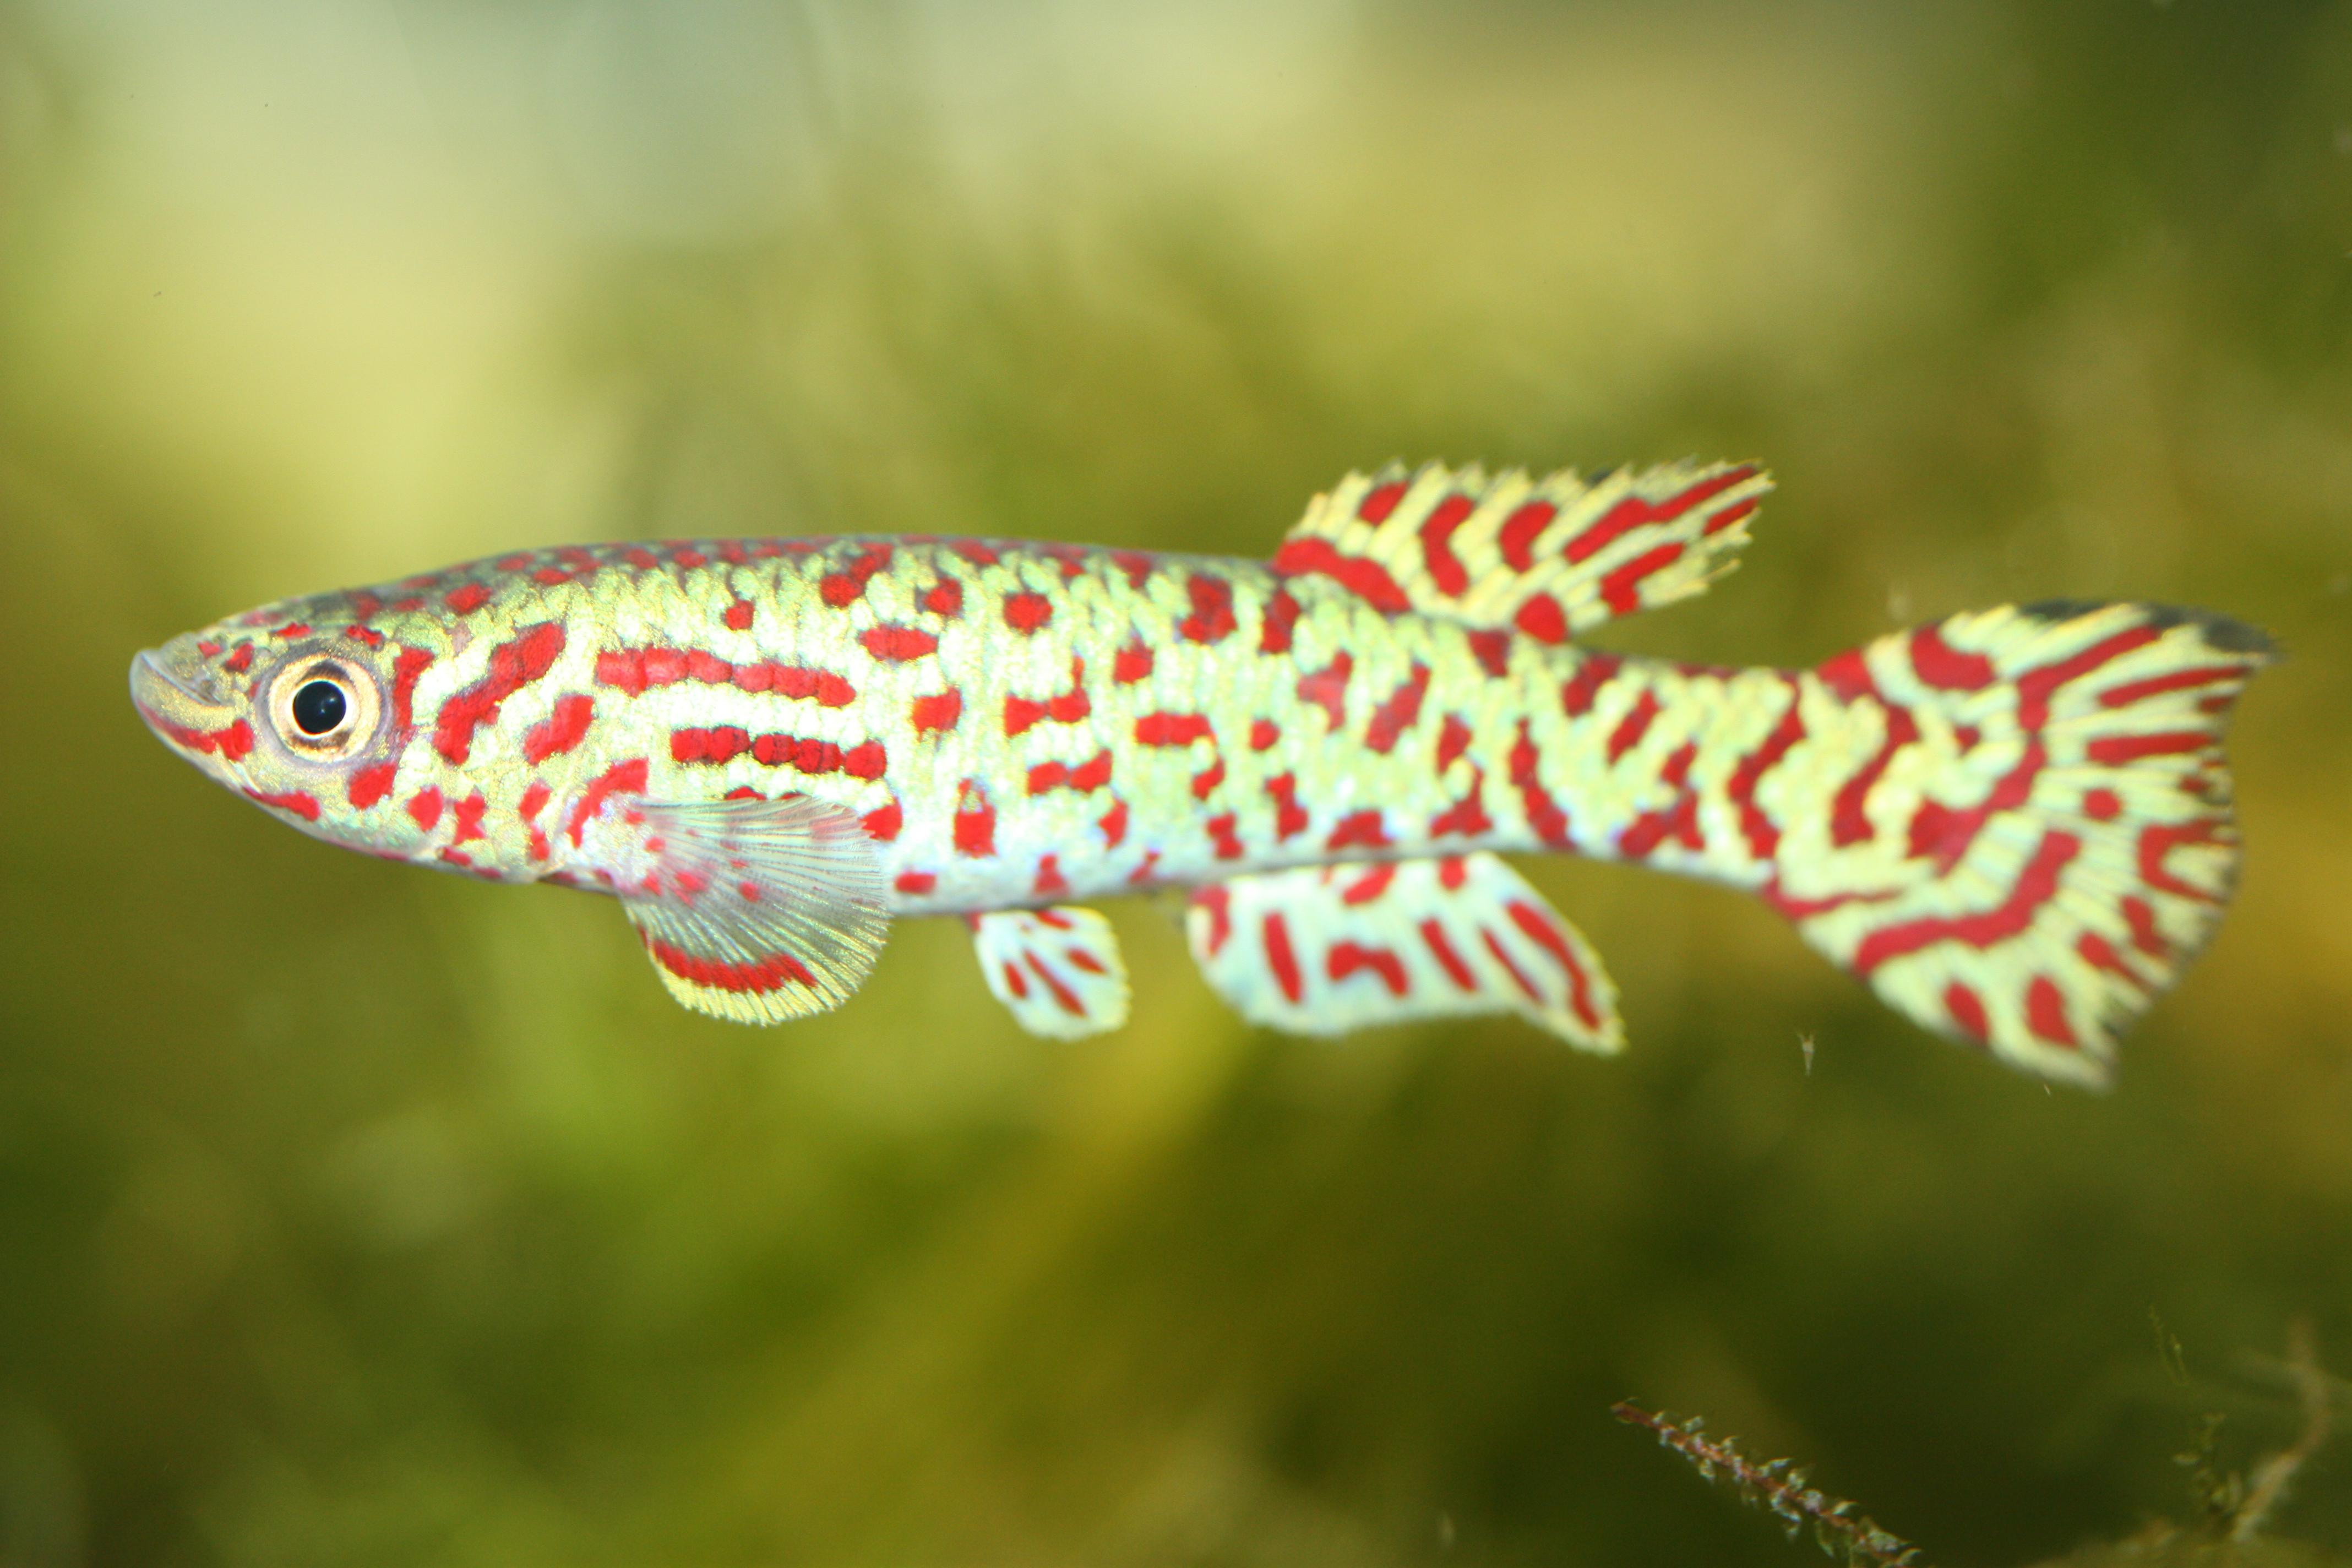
(353, 1214)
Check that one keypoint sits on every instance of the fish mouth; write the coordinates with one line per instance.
(183, 708)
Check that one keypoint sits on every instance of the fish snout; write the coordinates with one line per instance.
(185, 705)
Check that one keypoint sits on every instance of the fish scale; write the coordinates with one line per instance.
(2014, 824)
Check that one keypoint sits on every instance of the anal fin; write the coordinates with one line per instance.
(756, 911)
(1058, 968)
(1324, 949)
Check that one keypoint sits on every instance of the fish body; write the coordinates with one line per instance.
(2014, 824)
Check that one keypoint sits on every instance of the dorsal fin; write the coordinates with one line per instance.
(1549, 558)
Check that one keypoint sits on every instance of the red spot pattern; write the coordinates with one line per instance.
(1281, 616)
(1327, 687)
(1763, 836)
(1367, 579)
(915, 881)
(937, 712)
(1492, 649)
(1221, 836)
(738, 615)
(1545, 931)
(1633, 511)
(406, 667)
(896, 644)
(846, 586)
(1346, 957)
(468, 599)
(884, 822)
(1368, 886)
(513, 665)
(466, 818)
(1621, 589)
(1026, 612)
(1113, 823)
(1393, 717)
(759, 977)
(1938, 664)
(425, 806)
(1466, 817)
(1280, 958)
(560, 730)
(1849, 824)
(723, 743)
(370, 785)
(1289, 818)
(1367, 829)
(1541, 618)
(2117, 750)
(1593, 671)
(1265, 734)
(975, 821)
(2133, 691)
(627, 778)
(634, 670)
(2035, 887)
(240, 660)
(1132, 664)
(944, 597)
(1968, 1011)
(1632, 726)
(1382, 501)
(1452, 739)
(297, 801)
(1085, 778)
(2035, 687)
(1173, 728)
(1543, 813)
(1445, 568)
(1069, 708)
(1212, 620)
(2046, 1012)
(1049, 882)
(1516, 537)
(1937, 830)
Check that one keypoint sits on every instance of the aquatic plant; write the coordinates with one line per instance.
(1775, 1484)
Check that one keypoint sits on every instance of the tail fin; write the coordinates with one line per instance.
(2044, 838)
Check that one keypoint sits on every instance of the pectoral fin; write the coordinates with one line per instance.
(1321, 950)
(757, 910)
(1058, 968)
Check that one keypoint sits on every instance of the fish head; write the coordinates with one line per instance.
(302, 708)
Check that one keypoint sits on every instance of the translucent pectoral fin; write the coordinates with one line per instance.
(1321, 951)
(757, 910)
(1058, 968)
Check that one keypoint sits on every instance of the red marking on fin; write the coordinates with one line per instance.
(1938, 664)
(1517, 538)
(1281, 616)
(1633, 511)
(2035, 887)
(1593, 671)
(1634, 726)
(1279, 956)
(1445, 568)
(1377, 506)
(1367, 579)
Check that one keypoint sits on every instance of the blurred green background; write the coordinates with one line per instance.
(350, 1215)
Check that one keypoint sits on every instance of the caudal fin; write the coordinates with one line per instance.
(2043, 838)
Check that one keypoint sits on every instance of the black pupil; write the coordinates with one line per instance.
(318, 707)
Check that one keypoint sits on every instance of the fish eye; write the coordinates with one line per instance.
(318, 707)
(325, 708)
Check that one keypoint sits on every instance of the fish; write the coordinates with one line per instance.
(2014, 824)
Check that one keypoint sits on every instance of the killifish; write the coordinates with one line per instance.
(2014, 824)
